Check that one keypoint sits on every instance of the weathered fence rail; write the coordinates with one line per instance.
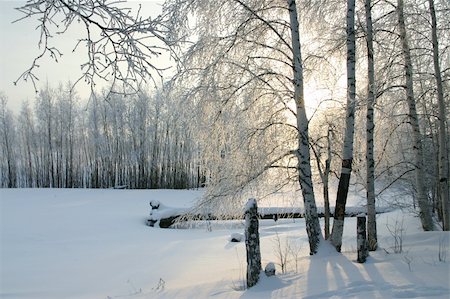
(165, 217)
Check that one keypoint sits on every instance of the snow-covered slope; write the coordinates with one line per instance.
(95, 244)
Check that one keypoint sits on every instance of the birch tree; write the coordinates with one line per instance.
(304, 163)
(245, 68)
(324, 170)
(26, 131)
(101, 145)
(45, 109)
(395, 161)
(443, 148)
(425, 211)
(8, 162)
(370, 128)
(347, 152)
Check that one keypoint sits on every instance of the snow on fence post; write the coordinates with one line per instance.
(361, 235)
(252, 242)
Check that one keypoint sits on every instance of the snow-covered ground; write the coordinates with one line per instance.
(95, 244)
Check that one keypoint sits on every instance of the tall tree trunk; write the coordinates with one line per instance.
(50, 144)
(9, 158)
(347, 153)
(443, 150)
(422, 200)
(370, 127)
(303, 155)
(155, 159)
(326, 194)
(30, 164)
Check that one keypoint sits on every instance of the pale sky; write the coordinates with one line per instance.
(19, 46)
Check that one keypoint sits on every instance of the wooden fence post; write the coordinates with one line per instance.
(361, 235)
(252, 243)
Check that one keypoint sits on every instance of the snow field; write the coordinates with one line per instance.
(60, 243)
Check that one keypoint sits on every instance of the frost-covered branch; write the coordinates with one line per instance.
(121, 45)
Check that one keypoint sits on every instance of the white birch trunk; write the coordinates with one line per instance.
(326, 193)
(422, 200)
(443, 149)
(303, 155)
(347, 152)
(370, 127)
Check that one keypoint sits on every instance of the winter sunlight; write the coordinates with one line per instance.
(224, 149)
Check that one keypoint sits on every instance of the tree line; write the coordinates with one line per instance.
(108, 141)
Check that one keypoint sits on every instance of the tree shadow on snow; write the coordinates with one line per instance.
(268, 284)
(334, 274)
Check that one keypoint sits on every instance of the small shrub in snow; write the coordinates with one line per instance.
(239, 285)
(294, 251)
(396, 232)
(281, 251)
(134, 290)
(236, 237)
(160, 286)
(270, 269)
(408, 260)
(287, 252)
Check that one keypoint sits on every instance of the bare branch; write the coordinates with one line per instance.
(121, 46)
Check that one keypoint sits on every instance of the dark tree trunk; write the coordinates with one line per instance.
(341, 201)
(252, 243)
(363, 250)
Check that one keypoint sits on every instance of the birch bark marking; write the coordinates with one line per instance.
(347, 152)
(252, 243)
(370, 127)
(443, 147)
(303, 155)
(422, 200)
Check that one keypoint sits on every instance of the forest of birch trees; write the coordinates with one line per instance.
(135, 142)
(266, 94)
